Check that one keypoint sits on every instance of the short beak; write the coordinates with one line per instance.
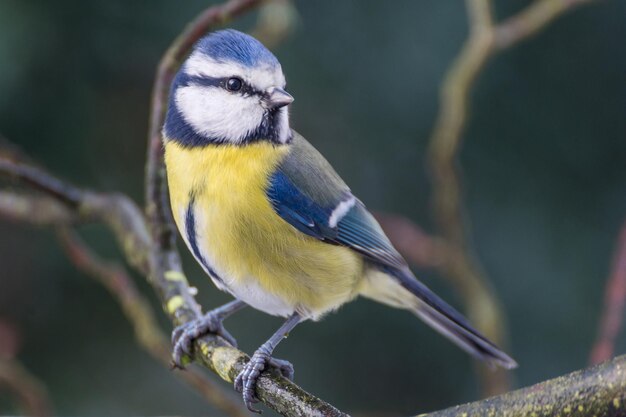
(276, 97)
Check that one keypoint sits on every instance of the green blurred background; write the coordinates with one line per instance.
(544, 168)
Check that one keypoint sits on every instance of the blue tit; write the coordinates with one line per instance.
(268, 218)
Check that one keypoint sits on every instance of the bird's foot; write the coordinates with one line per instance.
(284, 367)
(246, 381)
(184, 336)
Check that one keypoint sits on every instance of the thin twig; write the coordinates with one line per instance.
(614, 304)
(485, 39)
(463, 269)
(38, 210)
(531, 21)
(140, 314)
(415, 245)
(37, 179)
(277, 20)
(31, 394)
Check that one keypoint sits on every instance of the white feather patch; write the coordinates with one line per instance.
(217, 113)
(340, 211)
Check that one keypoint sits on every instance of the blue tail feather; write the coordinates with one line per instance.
(449, 322)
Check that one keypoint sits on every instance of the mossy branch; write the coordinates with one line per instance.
(596, 391)
(130, 227)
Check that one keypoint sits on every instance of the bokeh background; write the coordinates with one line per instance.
(544, 165)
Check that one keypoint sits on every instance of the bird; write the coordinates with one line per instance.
(268, 218)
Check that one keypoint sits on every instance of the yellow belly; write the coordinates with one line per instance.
(259, 256)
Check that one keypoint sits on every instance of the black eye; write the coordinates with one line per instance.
(234, 84)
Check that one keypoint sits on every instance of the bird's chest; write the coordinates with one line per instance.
(220, 205)
(218, 194)
(218, 198)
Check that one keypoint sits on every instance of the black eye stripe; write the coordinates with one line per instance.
(246, 89)
(204, 81)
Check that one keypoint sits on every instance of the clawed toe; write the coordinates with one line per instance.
(184, 336)
(245, 383)
(182, 341)
(284, 367)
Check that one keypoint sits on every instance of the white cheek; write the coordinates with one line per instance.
(216, 113)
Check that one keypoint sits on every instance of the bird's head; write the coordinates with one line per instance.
(230, 90)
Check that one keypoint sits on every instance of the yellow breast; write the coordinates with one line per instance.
(242, 237)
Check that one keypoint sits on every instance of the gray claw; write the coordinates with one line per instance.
(186, 334)
(284, 367)
(245, 383)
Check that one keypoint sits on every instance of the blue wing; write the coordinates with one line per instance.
(307, 193)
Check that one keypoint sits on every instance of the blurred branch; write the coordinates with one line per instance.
(277, 20)
(595, 391)
(38, 210)
(614, 304)
(31, 394)
(130, 227)
(10, 151)
(419, 248)
(486, 38)
(10, 339)
(530, 21)
(139, 312)
(39, 180)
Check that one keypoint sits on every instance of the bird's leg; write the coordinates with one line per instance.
(186, 334)
(247, 379)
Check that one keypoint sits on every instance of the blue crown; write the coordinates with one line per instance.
(232, 45)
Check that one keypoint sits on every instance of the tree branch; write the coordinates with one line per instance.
(531, 21)
(614, 304)
(595, 391)
(38, 210)
(415, 245)
(140, 314)
(485, 39)
(277, 20)
(31, 394)
(130, 228)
